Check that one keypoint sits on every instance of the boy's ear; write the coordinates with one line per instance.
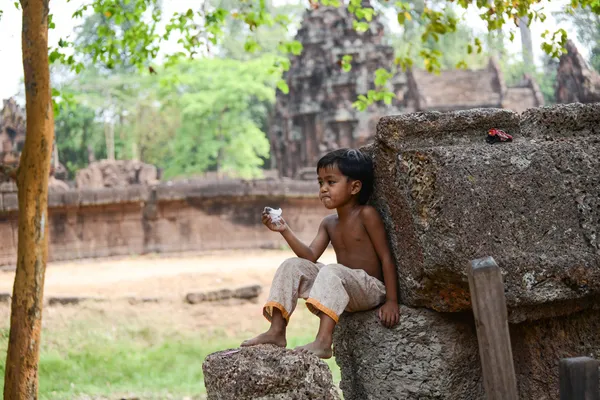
(356, 187)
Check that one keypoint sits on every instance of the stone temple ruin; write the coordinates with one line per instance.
(13, 128)
(447, 197)
(12, 133)
(576, 81)
(317, 115)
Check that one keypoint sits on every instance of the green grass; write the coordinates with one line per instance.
(94, 359)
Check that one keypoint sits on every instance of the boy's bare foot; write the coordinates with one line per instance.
(278, 339)
(320, 348)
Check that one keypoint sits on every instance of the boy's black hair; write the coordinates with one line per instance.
(353, 164)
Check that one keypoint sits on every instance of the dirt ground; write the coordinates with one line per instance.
(111, 318)
(166, 279)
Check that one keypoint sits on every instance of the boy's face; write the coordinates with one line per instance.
(336, 189)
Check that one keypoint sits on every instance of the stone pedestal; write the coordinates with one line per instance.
(432, 355)
(267, 373)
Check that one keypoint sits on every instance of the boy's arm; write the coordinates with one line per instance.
(373, 223)
(316, 248)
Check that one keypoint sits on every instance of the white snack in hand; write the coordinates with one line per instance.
(274, 214)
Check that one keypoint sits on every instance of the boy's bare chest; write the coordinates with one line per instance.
(348, 235)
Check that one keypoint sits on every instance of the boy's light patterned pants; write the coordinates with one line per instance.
(331, 289)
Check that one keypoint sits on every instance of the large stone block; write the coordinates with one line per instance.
(267, 372)
(432, 355)
(562, 120)
(429, 355)
(447, 197)
(10, 201)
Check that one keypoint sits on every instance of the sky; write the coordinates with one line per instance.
(11, 68)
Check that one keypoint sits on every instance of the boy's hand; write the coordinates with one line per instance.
(280, 226)
(389, 314)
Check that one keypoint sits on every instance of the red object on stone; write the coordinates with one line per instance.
(497, 135)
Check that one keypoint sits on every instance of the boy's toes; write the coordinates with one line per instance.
(265, 338)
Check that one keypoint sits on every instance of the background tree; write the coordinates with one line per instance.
(452, 48)
(262, 40)
(526, 42)
(171, 121)
(107, 26)
(21, 375)
(587, 27)
(224, 109)
(79, 137)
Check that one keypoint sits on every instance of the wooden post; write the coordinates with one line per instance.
(579, 379)
(491, 321)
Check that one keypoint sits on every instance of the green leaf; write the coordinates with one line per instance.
(401, 18)
(388, 97)
(368, 14)
(382, 76)
(296, 47)
(360, 26)
(346, 63)
(251, 46)
(51, 25)
(283, 86)
(53, 56)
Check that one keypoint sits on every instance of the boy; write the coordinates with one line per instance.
(359, 240)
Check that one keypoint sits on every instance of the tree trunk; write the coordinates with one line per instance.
(109, 137)
(526, 42)
(21, 379)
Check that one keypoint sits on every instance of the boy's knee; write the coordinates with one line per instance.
(332, 269)
(291, 263)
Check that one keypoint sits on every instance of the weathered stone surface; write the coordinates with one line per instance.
(457, 89)
(12, 132)
(428, 355)
(267, 373)
(130, 220)
(71, 300)
(576, 81)
(524, 95)
(116, 173)
(142, 300)
(56, 185)
(449, 197)
(10, 201)
(56, 199)
(247, 292)
(8, 186)
(432, 355)
(434, 129)
(13, 128)
(317, 115)
(213, 295)
(244, 292)
(561, 121)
